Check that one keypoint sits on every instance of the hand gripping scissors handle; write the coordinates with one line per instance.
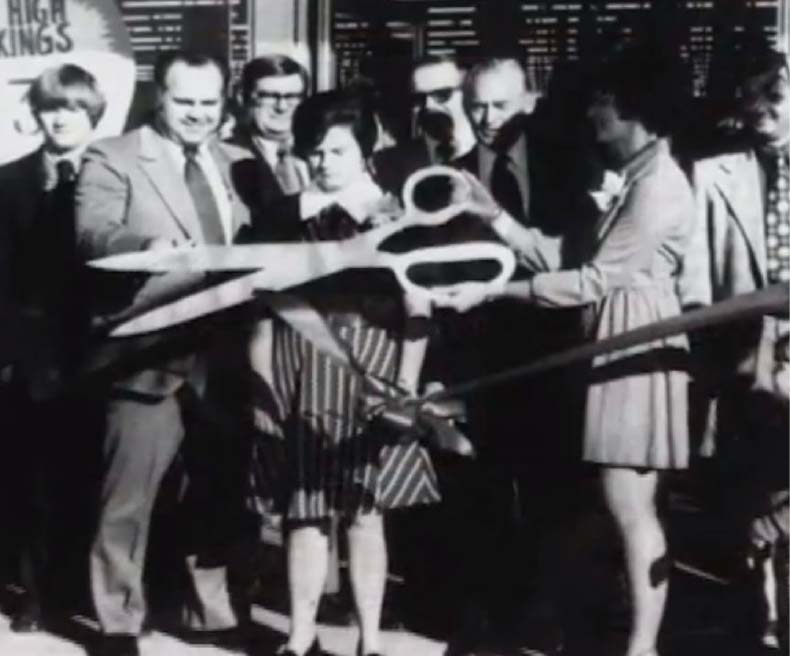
(276, 267)
(402, 264)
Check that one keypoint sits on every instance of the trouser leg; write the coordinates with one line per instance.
(141, 440)
(216, 459)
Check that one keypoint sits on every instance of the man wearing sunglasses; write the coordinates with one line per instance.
(445, 131)
(272, 87)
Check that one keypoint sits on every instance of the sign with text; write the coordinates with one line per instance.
(39, 34)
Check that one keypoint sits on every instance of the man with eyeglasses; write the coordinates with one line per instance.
(272, 87)
(445, 130)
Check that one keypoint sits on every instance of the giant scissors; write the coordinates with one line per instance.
(277, 267)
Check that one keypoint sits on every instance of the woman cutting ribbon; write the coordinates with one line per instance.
(337, 465)
(636, 411)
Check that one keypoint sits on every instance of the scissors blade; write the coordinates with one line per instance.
(207, 301)
(202, 258)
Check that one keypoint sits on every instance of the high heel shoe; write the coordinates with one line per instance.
(314, 650)
(770, 635)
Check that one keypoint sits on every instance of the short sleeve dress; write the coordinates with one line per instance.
(637, 408)
(337, 464)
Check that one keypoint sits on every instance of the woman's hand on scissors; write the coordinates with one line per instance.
(386, 210)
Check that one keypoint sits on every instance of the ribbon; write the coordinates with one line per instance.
(771, 300)
(383, 400)
(407, 413)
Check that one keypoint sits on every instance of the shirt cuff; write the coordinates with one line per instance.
(503, 225)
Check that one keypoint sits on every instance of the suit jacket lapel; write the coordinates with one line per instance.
(30, 189)
(740, 187)
(239, 211)
(270, 189)
(167, 181)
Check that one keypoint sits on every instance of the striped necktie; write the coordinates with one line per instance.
(203, 198)
(777, 220)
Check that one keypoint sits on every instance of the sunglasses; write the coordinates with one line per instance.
(441, 95)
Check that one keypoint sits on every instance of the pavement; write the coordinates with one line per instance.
(269, 629)
(705, 611)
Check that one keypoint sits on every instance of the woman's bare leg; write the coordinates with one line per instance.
(308, 555)
(367, 551)
(630, 496)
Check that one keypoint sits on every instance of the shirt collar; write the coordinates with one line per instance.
(358, 198)
(269, 147)
(177, 150)
(637, 165)
(464, 138)
(50, 165)
(463, 141)
(517, 154)
(774, 155)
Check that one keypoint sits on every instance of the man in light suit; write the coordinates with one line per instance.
(164, 184)
(742, 243)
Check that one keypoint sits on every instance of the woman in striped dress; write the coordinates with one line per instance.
(337, 464)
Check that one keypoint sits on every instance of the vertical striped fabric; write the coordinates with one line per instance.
(333, 464)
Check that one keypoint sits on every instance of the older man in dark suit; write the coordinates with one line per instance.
(272, 86)
(524, 431)
(167, 183)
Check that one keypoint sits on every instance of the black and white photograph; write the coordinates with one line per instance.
(394, 327)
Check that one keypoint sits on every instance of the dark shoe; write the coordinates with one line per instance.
(147, 627)
(335, 610)
(370, 653)
(26, 621)
(117, 645)
(232, 640)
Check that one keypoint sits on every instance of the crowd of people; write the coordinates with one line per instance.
(614, 227)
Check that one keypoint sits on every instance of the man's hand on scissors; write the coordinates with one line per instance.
(477, 199)
(464, 296)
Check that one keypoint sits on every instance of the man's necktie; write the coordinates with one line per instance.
(287, 173)
(66, 173)
(777, 221)
(445, 151)
(505, 189)
(202, 196)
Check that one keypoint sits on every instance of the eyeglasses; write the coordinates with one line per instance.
(268, 98)
(441, 95)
